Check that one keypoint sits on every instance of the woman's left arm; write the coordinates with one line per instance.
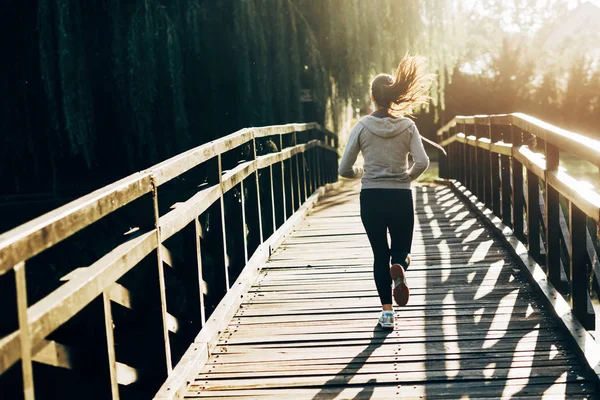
(419, 155)
(347, 168)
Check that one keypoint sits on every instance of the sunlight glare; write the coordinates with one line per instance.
(489, 370)
(428, 212)
(471, 276)
(459, 216)
(500, 323)
(445, 261)
(453, 210)
(478, 314)
(452, 202)
(449, 324)
(481, 252)
(553, 351)
(520, 376)
(437, 232)
(490, 280)
(529, 311)
(473, 235)
(466, 225)
(559, 388)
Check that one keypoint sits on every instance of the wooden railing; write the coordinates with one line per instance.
(242, 188)
(511, 163)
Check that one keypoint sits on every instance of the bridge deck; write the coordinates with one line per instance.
(473, 327)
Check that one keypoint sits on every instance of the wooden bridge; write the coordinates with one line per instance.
(250, 276)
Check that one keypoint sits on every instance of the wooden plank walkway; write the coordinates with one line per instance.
(472, 329)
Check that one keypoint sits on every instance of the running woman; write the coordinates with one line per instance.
(385, 138)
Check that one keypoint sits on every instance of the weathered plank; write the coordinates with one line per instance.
(307, 327)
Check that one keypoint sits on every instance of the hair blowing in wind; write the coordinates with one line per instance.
(407, 89)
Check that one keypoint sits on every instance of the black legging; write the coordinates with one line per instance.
(380, 210)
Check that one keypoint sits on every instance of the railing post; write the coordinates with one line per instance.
(552, 218)
(517, 184)
(283, 179)
(256, 177)
(244, 228)
(319, 171)
(26, 356)
(466, 156)
(273, 198)
(462, 162)
(447, 173)
(110, 345)
(292, 193)
(480, 159)
(198, 233)
(223, 227)
(298, 179)
(442, 162)
(533, 215)
(304, 165)
(495, 173)
(579, 275)
(506, 182)
(161, 276)
(472, 162)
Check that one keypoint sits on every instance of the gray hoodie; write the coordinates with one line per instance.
(385, 144)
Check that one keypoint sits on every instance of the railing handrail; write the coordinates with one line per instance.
(31, 238)
(38, 320)
(575, 143)
(491, 154)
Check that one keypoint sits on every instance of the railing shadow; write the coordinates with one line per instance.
(493, 338)
(336, 385)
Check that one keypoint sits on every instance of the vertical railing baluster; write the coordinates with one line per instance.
(304, 175)
(533, 215)
(495, 173)
(292, 194)
(256, 177)
(474, 169)
(443, 160)
(298, 183)
(24, 333)
(283, 179)
(198, 232)
(273, 198)
(552, 218)
(517, 184)
(110, 345)
(161, 278)
(223, 227)
(244, 230)
(579, 275)
(465, 159)
(506, 182)
(480, 163)
(319, 175)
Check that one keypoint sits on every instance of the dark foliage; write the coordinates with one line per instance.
(95, 90)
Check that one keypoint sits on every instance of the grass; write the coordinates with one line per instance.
(430, 175)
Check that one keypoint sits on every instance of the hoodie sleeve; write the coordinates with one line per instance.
(347, 169)
(420, 158)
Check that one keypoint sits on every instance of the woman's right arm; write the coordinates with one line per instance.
(347, 168)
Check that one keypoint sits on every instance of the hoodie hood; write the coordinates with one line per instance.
(386, 127)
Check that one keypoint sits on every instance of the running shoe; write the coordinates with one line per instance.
(386, 320)
(401, 291)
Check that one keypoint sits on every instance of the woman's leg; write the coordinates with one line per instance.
(374, 221)
(401, 224)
